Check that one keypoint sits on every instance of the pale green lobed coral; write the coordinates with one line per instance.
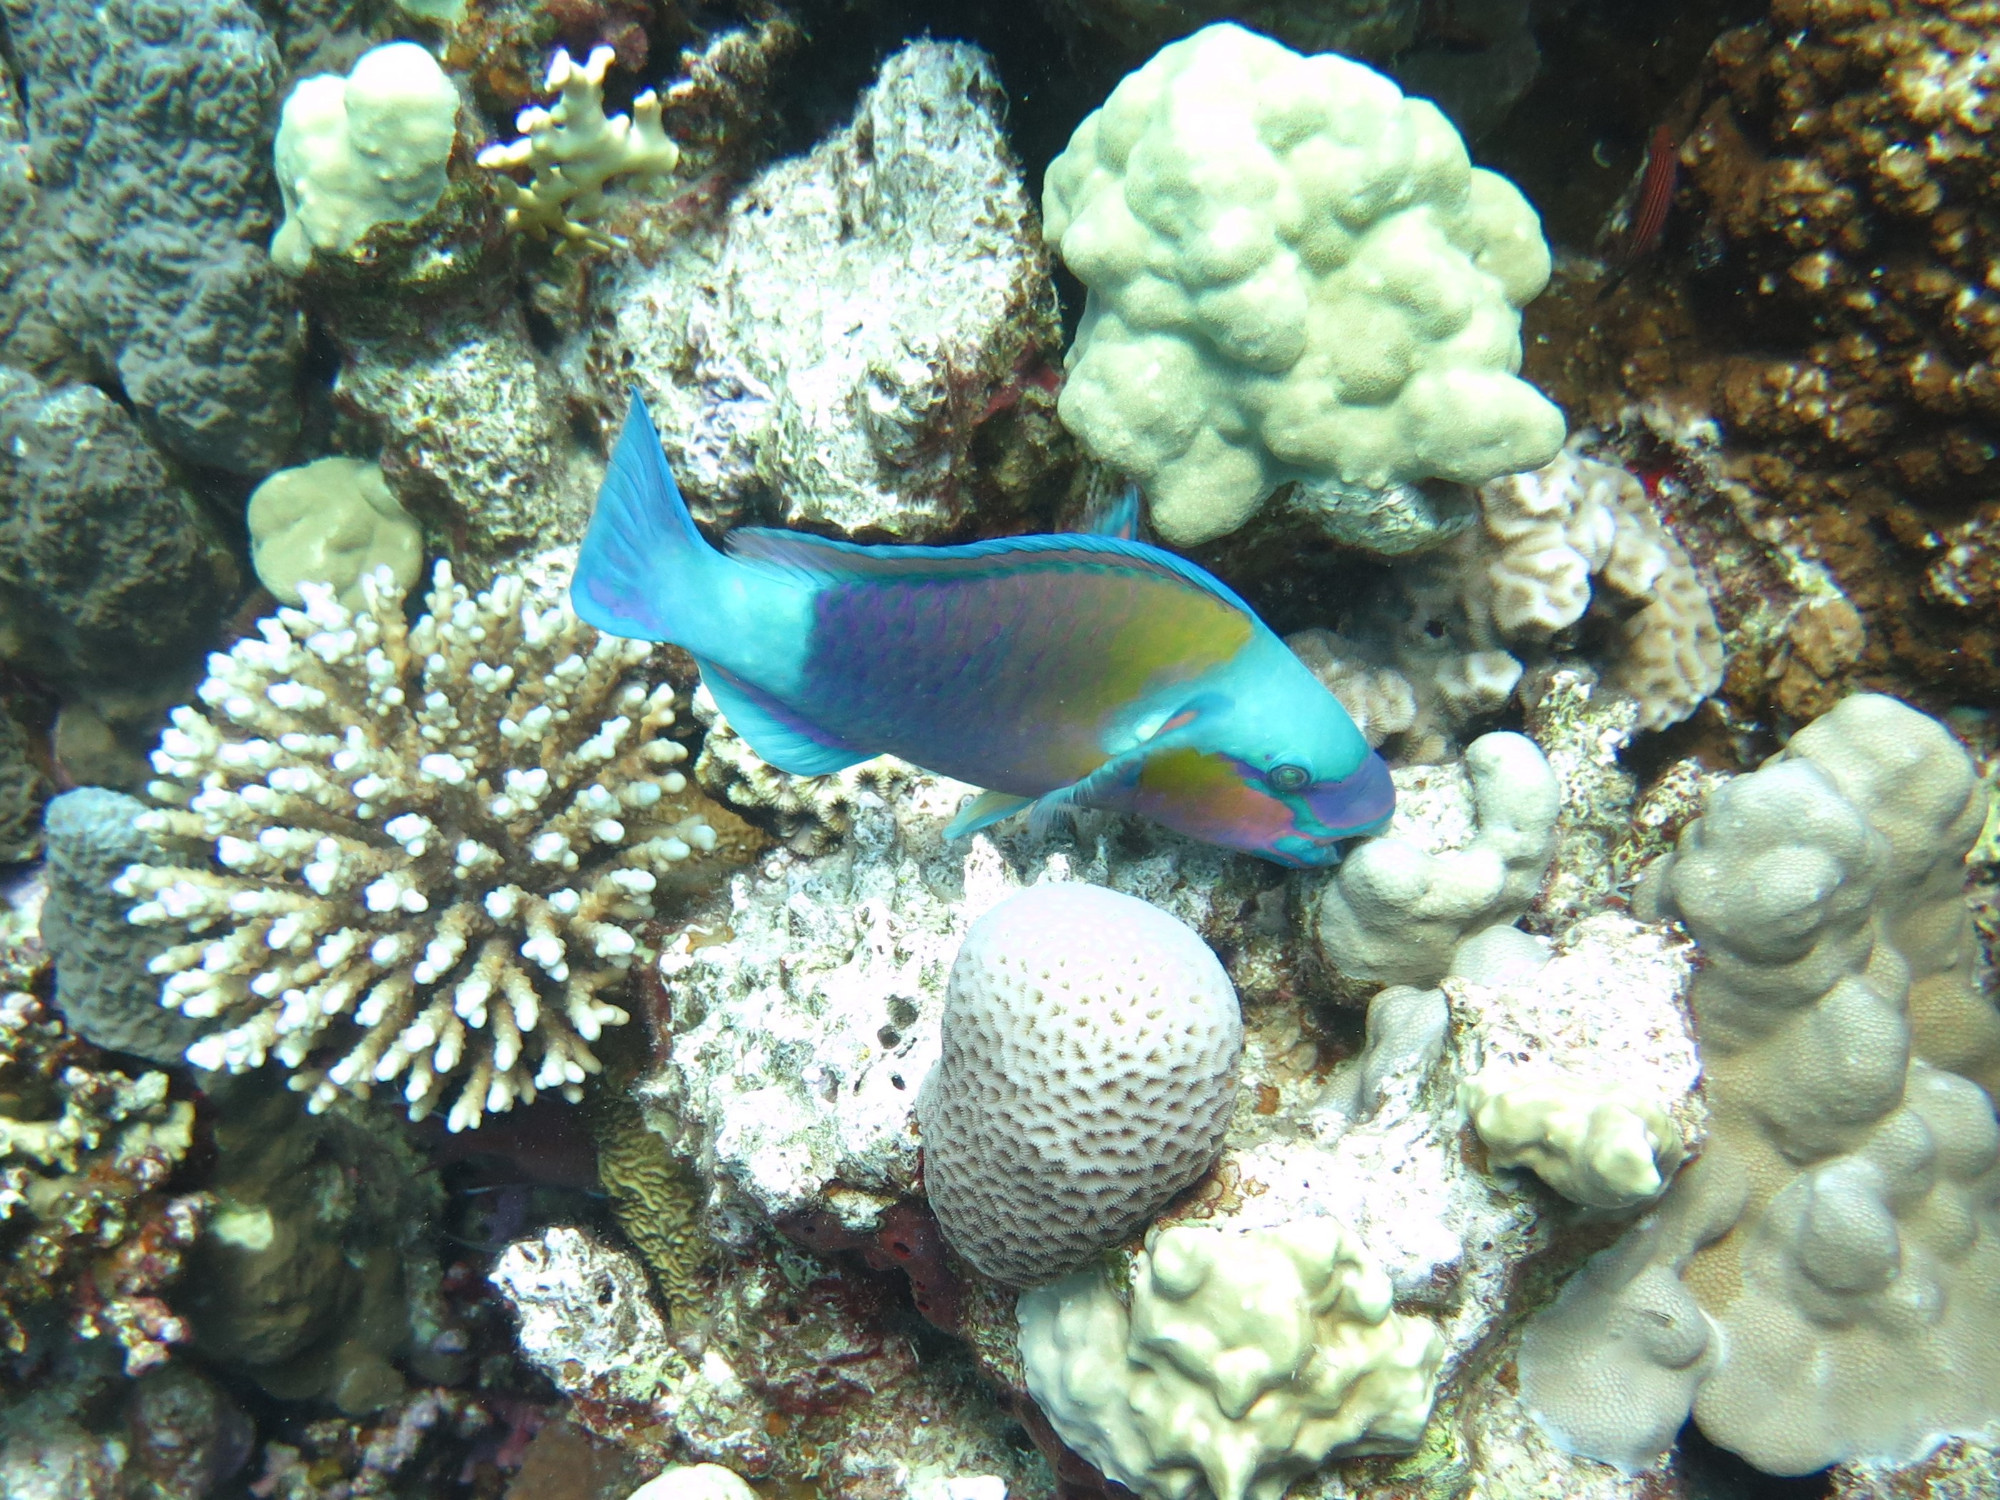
(573, 150)
(428, 845)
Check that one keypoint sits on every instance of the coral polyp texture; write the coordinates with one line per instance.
(1295, 273)
(1823, 1283)
(1090, 1046)
(429, 845)
(573, 150)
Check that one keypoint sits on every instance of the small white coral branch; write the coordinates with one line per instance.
(573, 150)
(428, 844)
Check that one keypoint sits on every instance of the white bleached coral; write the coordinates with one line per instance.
(430, 843)
(1295, 273)
(1244, 1359)
(1588, 1139)
(1547, 536)
(574, 149)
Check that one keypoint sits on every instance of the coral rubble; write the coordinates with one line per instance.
(425, 845)
(854, 340)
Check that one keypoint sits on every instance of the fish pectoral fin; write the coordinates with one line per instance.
(1103, 788)
(1119, 517)
(775, 733)
(983, 811)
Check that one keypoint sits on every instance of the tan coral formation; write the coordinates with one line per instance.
(428, 845)
(1823, 1283)
(1839, 321)
(1548, 536)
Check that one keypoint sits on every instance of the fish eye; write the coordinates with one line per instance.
(1288, 778)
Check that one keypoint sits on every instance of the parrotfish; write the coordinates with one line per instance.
(1057, 672)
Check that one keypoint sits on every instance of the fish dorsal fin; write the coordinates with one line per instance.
(820, 560)
(777, 735)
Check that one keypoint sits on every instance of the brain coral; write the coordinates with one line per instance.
(1088, 1073)
(1294, 272)
(428, 843)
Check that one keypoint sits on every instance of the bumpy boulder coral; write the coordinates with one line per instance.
(574, 150)
(149, 131)
(427, 844)
(362, 150)
(1090, 1047)
(1589, 1140)
(1546, 536)
(332, 521)
(1294, 273)
(1394, 913)
(110, 575)
(1244, 1359)
(1823, 1283)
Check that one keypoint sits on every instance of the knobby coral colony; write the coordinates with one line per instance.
(430, 844)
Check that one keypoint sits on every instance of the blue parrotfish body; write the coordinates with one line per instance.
(1058, 672)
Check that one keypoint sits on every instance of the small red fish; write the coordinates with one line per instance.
(1656, 195)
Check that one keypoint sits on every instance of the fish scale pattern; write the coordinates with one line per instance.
(1088, 1072)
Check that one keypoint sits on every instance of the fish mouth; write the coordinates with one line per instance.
(1360, 802)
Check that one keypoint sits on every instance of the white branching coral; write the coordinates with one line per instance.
(573, 150)
(429, 843)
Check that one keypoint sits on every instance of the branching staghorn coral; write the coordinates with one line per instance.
(573, 149)
(429, 843)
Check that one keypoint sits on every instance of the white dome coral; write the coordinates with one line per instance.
(1089, 1071)
(430, 843)
(1294, 272)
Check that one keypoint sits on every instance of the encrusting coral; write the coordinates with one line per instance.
(573, 150)
(430, 843)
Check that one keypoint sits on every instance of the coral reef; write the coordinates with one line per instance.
(318, 1276)
(1086, 1073)
(699, 1482)
(1394, 912)
(356, 152)
(89, 1234)
(147, 129)
(332, 521)
(1294, 272)
(1547, 535)
(105, 988)
(428, 844)
(1822, 1283)
(110, 575)
(1249, 1356)
(23, 790)
(574, 150)
(849, 345)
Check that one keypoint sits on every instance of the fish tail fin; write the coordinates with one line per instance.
(644, 570)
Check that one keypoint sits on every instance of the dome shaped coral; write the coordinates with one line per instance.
(428, 844)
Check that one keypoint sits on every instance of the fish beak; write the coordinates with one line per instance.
(1360, 802)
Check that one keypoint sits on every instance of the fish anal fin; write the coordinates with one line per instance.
(773, 732)
(984, 811)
